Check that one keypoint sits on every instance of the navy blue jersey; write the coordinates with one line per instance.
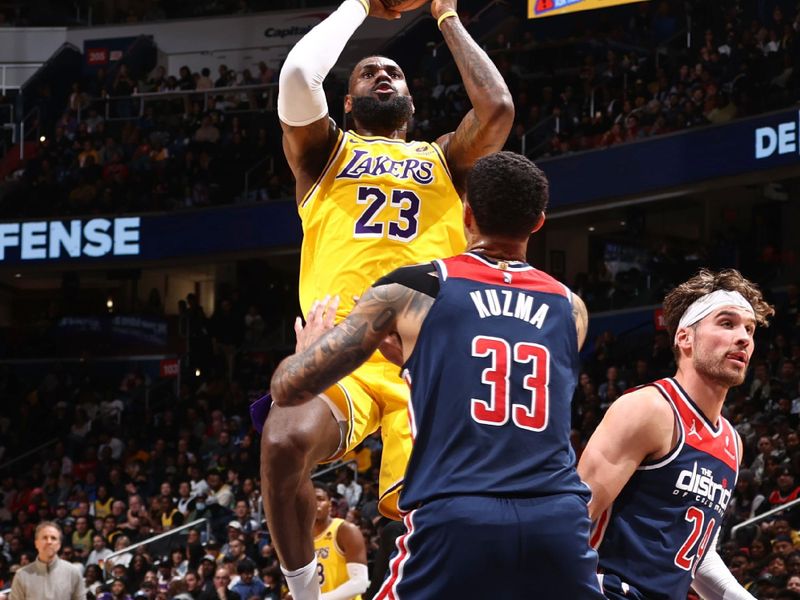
(492, 376)
(655, 534)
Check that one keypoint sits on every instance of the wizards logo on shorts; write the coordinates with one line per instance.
(363, 163)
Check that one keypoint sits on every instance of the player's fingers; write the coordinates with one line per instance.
(298, 326)
(323, 309)
(313, 313)
(330, 313)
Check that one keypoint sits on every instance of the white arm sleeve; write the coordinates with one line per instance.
(714, 581)
(357, 584)
(301, 99)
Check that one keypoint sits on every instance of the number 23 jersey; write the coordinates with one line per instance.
(379, 204)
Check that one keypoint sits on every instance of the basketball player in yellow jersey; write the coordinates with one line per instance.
(370, 202)
(341, 552)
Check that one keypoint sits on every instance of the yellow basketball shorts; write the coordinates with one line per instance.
(373, 396)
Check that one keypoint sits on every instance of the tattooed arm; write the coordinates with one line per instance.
(383, 310)
(581, 316)
(485, 128)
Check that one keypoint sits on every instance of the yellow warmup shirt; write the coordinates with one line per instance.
(379, 204)
(331, 564)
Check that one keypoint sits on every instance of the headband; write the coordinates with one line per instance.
(705, 305)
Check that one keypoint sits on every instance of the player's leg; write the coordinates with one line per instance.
(396, 437)
(455, 547)
(295, 439)
(558, 560)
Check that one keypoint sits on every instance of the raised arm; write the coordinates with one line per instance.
(308, 132)
(486, 126)
(383, 310)
(638, 426)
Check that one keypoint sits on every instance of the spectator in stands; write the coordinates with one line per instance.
(185, 79)
(222, 80)
(765, 451)
(220, 591)
(348, 487)
(249, 586)
(204, 81)
(220, 493)
(99, 551)
(242, 516)
(123, 86)
(82, 538)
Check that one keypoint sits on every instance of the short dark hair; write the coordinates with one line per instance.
(507, 194)
(245, 566)
(319, 485)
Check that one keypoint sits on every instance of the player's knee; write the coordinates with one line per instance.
(290, 441)
(283, 445)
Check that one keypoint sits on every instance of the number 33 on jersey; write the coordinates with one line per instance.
(380, 203)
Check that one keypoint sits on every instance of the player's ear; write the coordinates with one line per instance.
(539, 223)
(469, 216)
(684, 337)
(348, 103)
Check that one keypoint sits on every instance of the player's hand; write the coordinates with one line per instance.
(392, 349)
(439, 7)
(378, 10)
(318, 320)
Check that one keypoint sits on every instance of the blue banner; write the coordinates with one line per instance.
(116, 330)
(657, 164)
(131, 239)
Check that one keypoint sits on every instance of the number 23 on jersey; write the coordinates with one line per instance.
(402, 206)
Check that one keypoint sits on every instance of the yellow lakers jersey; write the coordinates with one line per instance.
(379, 204)
(331, 564)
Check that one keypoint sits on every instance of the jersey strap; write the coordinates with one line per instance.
(719, 440)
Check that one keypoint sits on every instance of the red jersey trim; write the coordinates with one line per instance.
(517, 275)
(718, 442)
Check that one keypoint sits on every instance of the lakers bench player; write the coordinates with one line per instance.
(340, 550)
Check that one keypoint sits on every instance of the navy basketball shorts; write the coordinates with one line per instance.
(486, 547)
(616, 589)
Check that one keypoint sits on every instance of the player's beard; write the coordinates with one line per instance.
(382, 115)
(716, 368)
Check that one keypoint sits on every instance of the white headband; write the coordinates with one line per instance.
(705, 305)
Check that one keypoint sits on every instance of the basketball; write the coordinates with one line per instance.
(403, 5)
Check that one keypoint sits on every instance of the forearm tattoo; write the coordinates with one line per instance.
(342, 349)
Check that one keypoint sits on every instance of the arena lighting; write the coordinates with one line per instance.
(42, 138)
(197, 372)
(591, 227)
(110, 304)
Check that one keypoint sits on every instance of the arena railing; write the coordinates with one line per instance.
(336, 467)
(533, 140)
(269, 97)
(763, 516)
(109, 562)
(31, 452)
(259, 166)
